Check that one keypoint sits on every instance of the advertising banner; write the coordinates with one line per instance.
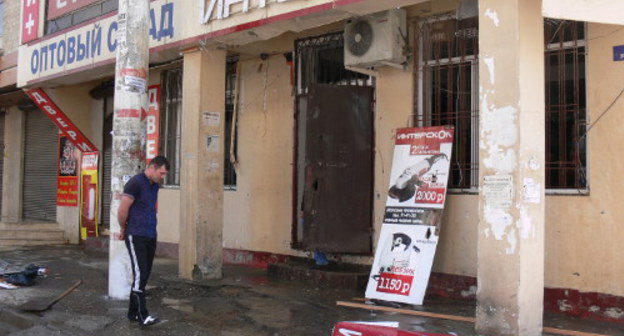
(67, 182)
(30, 20)
(64, 124)
(416, 196)
(89, 198)
(153, 122)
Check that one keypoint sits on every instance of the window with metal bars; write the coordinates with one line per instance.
(448, 72)
(566, 105)
(171, 123)
(229, 173)
(320, 60)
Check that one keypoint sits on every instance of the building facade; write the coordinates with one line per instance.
(238, 86)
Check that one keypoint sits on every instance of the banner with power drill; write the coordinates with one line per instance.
(416, 196)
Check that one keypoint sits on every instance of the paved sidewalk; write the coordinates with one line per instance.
(244, 303)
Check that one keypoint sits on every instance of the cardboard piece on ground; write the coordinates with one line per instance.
(42, 304)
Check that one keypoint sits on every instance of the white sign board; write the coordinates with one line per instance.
(416, 196)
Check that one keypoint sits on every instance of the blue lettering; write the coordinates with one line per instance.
(52, 47)
(60, 56)
(44, 58)
(112, 44)
(97, 40)
(71, 50)
(152, 31)
(34, 61)
(166, 21)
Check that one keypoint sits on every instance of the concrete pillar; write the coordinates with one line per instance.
(511, 168)
(13, 162)
(201, 178)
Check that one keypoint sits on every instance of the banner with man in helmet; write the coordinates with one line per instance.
(416, 196)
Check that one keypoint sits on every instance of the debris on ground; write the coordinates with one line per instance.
(25, 277)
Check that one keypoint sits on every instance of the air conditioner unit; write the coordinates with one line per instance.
(375, 40)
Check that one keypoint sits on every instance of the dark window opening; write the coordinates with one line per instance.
(171, 123)
(81, 15)
(229, 172)
(320, 60)
(566, 105)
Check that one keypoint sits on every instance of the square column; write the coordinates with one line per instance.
(511, 168)
(13, 161)
(201, 178)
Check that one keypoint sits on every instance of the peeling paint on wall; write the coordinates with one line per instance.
(513, 242)
(499, 220)
(493, 16)
(526, 224)
(489, 62)
(498, 131)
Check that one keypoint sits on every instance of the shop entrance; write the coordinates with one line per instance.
(334, 150)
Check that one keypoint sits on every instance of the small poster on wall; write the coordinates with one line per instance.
(416, 197)
(89, 198)
(67, 182)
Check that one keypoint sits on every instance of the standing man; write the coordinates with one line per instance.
(137, 218)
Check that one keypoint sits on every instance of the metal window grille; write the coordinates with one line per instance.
(448, 71)
(171, 123)
(229, 173)
(566, 105)
(320, 60)
(81, 15)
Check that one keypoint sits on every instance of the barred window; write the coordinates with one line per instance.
(448, 71)
(566, 113)
(171, 123)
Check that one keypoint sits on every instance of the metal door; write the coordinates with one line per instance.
(40, 168)
(338, 173)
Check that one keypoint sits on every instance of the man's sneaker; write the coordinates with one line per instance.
(150, 320)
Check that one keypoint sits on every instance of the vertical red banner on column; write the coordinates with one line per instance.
(153, 123)
(30, 20)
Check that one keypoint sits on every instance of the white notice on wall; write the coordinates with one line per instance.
(211, 119)
(498, 191)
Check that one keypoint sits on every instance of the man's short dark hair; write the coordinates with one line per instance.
(159, 161)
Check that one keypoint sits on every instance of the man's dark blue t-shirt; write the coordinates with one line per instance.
(142, 213)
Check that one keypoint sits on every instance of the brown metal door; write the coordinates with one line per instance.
(337, 197)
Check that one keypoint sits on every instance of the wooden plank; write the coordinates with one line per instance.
(452, 317)
(406, 311)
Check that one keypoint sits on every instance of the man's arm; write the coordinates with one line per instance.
(122, 215)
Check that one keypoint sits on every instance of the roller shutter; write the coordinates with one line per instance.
(40, 168)
(106, 171)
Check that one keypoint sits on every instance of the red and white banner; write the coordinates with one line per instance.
(153, 122)
(416, 196)
(373, 329)
(30, 20)
(64, 124)
(58, 8)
